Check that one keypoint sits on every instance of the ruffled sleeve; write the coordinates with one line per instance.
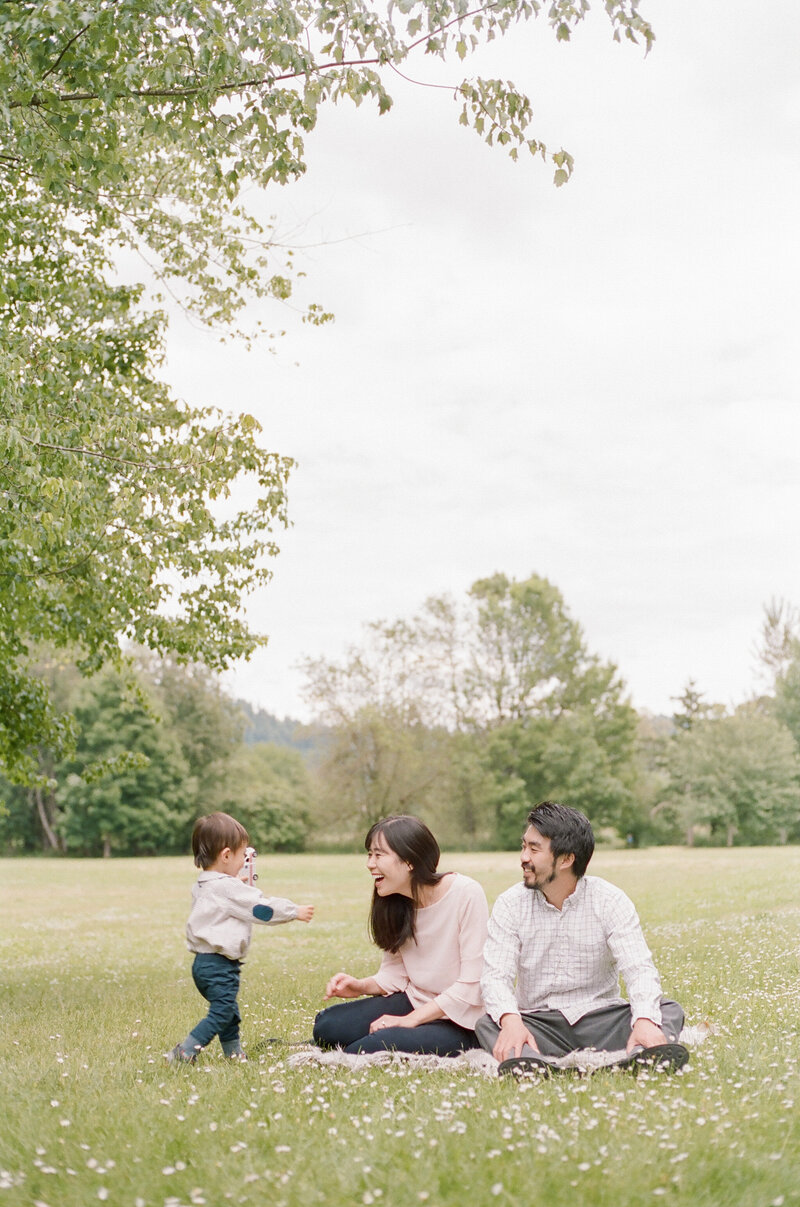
(392, 976)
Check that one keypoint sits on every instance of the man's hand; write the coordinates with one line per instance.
(305, 913)
(513, 1037)
(645, 1034)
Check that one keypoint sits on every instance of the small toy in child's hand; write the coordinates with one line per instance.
(248, 872)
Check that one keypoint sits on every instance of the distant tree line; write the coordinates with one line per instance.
(472, 711)
(156, 746)
(467, 714)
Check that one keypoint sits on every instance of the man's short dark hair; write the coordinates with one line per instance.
(570, 833)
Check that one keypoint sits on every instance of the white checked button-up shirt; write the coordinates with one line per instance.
(538, 957)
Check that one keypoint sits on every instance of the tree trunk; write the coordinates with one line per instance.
(730, 834)
(51, 838)
(106, 848)
(690, 836)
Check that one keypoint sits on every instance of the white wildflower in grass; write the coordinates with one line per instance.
(497, 1188)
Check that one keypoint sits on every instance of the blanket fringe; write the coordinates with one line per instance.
(475, 1060)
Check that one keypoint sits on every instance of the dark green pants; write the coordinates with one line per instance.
(217, 978)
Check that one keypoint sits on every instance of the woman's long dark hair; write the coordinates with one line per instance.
(392, 919)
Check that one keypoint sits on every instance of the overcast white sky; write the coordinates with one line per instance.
(598, 384)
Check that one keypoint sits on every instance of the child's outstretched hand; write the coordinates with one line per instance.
(305, 913)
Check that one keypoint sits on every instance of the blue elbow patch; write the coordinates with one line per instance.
(263, 913)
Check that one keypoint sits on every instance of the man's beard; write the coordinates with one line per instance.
(538, 883)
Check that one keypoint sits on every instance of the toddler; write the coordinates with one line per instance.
(219, 929)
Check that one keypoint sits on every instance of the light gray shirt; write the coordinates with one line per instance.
(538, 957)
(224, 909)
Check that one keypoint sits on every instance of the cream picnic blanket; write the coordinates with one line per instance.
(475, 1060)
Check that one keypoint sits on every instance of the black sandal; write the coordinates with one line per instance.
(525, 1066)
(666, 1058)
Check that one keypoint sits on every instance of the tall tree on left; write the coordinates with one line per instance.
(134, 125)
(110, 488)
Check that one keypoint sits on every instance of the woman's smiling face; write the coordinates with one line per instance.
(390, 874)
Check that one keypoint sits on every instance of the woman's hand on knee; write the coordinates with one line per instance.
(391, 1020)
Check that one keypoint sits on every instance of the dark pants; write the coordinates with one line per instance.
(606, 1030)
(346, 1025)
(217, 978)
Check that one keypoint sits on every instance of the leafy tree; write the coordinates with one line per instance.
(779, 653)
(20, 830)
(780, 656)
(787, 698)
(692, 708)
(496, 701)
(644, 822)
(33, 822)
(548, 718)
(780, 638)
(384, 750)
(738, 775)
(144, 805)
(153, 751)
(269, 791)
(466, 797)
(138, 126)
(523, 650)
(568, 760)
(205, 722)
(110, 500)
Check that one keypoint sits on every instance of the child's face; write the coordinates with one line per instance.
(230, 861)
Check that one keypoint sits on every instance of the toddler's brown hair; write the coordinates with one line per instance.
(212, 834)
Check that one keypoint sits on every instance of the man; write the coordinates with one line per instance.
(558, 943)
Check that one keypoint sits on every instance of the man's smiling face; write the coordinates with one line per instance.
(539, 868)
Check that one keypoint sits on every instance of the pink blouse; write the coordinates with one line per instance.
(445, 962)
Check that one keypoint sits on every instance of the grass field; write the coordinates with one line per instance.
(96, 986)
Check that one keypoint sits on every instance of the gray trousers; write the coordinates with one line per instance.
(606, 1030)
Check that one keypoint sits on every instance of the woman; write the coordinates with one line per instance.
(425, 997)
